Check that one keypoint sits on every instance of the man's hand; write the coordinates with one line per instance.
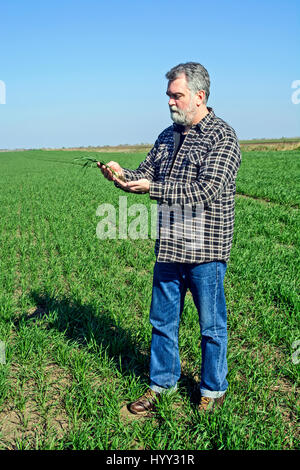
(106, 171)
(139, 186)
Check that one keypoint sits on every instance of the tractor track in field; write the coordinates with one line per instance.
(266, 201)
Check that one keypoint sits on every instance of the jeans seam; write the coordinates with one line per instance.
(174, 355)
(215, 322)
(176, 336)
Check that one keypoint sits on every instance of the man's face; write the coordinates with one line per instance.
(181, 103)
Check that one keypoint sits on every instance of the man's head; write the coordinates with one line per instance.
(188, 89)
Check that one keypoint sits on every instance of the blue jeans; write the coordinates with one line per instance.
(170, 283)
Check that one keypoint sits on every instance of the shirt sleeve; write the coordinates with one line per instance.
(219, 168)
(146, 169)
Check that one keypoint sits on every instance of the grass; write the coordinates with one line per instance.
(272, 175)
(74, 314)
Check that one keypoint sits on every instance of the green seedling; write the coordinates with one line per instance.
(89, 163)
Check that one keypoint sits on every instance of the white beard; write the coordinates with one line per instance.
(185, 118)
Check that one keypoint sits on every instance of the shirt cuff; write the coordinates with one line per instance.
(156, 190)
(127, 177)
(127, 174)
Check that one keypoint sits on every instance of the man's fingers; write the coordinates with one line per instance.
(109, 169)
(120, 182)
(105, 171)
(135, 188)
(133, 185)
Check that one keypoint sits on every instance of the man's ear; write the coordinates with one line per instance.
(200, 97)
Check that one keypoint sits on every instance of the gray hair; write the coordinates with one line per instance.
(196, 76)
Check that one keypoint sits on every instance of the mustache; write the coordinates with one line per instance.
(174, 109)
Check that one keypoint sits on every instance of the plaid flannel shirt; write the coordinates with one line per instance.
(195, 191)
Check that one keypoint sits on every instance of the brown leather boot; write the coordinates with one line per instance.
(145, 403)
(208, 404)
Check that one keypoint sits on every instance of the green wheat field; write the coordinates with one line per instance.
(74, 311)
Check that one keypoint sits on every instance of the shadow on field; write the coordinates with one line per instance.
(88, 325)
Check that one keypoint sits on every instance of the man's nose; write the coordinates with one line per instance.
(171, 102)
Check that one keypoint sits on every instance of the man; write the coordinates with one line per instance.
(191, 172)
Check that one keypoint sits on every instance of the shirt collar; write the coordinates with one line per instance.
(206, 121)
(178, 127)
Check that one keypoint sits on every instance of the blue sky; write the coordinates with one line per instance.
(87, 72)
